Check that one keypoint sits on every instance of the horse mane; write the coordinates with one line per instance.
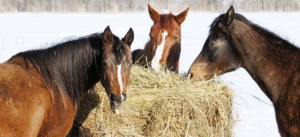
(67, 66)
(272, 37)
(237, 17)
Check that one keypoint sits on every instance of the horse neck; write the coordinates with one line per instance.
(270, 60)
(148, 52)
(68, 68)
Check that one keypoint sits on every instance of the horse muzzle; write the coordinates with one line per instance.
(116, 102)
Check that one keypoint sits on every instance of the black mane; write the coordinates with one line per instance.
(272, 37)
(237, 17)
(71, 67)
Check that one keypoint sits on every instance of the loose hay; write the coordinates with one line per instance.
(159, 104)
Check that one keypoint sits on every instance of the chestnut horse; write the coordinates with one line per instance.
(40, 89)
(163, 49)
(273, 62)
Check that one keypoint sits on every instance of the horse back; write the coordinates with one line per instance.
(137, 55)
(24, 100)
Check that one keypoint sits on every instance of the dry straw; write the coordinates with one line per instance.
(159, 104)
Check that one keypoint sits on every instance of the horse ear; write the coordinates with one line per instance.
(107, 36)
(181, 17)
(128, 39)
(153, 14)
(229, 16)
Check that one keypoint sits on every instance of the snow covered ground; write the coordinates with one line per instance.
(24, 31)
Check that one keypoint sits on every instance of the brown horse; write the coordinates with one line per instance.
(40, 89)
(272, 62)
(163, 49)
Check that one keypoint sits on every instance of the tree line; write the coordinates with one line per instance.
(113, 6)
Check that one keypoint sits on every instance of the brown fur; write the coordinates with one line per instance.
(271, 61)
(31, 106)
(25, 108)
(172, 48)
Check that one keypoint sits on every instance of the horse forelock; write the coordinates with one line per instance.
(119, 50)
(168, 22)
(215, 21)
(237, 17)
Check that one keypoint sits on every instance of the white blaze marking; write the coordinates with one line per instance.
(119, 67)
(158, 53)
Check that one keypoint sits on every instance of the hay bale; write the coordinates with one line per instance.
(159, 104)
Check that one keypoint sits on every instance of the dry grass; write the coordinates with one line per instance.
(160, 104)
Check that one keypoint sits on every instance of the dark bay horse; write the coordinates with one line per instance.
(273, 62)
(163, 49)
(40, 89)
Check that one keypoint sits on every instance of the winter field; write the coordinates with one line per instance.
(24, 31)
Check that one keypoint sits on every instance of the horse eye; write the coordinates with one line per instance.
(103, 64)
(176, 38)
(212, 43)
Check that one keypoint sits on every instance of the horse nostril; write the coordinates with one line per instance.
(189, 74)
(113, 97)
(123, 97)
(118, 100)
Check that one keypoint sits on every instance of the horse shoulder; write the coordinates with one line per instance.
(288, 111)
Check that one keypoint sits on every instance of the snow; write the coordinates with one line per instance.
(25, 31)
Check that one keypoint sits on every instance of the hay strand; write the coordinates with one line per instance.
(160, 104)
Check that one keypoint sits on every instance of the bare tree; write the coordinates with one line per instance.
(141, 5)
